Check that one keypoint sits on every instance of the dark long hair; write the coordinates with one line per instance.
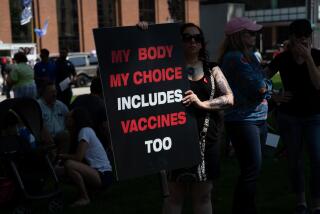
(234, 42)
(81, 118)
(203, 53)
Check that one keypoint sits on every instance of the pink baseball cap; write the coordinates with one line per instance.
(241, 23)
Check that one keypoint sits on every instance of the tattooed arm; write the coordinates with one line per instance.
(223, 101)
(226, 97)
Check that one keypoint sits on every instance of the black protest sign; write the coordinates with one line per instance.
(143, 79)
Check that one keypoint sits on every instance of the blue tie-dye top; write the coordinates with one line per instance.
(245, 79)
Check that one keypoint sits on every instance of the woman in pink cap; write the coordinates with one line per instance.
(246, 120)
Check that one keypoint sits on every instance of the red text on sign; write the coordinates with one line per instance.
(157, 75)
(119, 56)
(155, 52)
(118, 80)
(153, 122)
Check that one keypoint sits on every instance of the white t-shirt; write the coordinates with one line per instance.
(95, 155)
(258, 55)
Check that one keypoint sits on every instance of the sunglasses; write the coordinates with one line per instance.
(188, 37)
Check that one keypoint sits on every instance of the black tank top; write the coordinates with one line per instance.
(202, 88)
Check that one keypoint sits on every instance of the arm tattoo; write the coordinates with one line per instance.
(226, 97)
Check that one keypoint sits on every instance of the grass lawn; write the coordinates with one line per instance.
(143, 195)
(276, 81)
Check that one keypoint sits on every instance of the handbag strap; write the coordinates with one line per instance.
(201, 167)
(205, 127)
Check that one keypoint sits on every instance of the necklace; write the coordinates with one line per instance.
(190, 70)
(195, 70)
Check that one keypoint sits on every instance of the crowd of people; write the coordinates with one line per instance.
(231, 94)
(240, 85)
(78, 133)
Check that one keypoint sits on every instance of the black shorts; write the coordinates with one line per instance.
(212, 161)
(106, 178)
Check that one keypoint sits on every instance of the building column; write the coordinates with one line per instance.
(273, 35)
(5, 22)
(128, 12)
(88, 20)
(44, 10)
(192, 11)
(162, 11)
(313, 15)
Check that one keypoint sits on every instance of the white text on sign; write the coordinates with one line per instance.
(157, 145)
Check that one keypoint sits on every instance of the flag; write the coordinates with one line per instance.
(26, 14)
(42, 31)
(26, 3)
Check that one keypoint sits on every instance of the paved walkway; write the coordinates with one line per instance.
(76, 92)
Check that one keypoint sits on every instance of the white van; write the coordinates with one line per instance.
(9, 49)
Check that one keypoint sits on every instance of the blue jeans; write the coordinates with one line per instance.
(247, 138)
(295, 132)
(29, 91)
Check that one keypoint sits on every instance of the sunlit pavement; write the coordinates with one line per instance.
(76, 92)
(79, 91)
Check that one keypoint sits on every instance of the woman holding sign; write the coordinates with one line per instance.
(209, 94)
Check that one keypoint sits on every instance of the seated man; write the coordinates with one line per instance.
(53, 115)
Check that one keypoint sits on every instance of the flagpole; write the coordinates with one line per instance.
(39, 23)
(32, 32)
(32, 26)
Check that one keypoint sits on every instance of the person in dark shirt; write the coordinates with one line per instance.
(65, 73)
(44, 71)
(299, 109)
